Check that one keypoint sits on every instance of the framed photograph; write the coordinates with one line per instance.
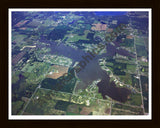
(80, 63)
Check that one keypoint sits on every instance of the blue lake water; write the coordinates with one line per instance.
(106, 13)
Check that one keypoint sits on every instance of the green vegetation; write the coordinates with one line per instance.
(131, 68)
(143, 63)
(78, 99)
(59, 32)
(144, 69)
(135, 82)
(17, 107)
(62, 105)
(35, 72)
(28, 68)
(49, 84)
(90, 91)
(80, 21)
(135, 99)
(74, 109)
(71, 113)
(126, 78)
(21, 88)
(64, 83)
(15, 78)
(40, 106)
(141, 51)
(48, 102)
(48, 42)
(139, 41)
(43, 103)
(43, 50)
(16, 50)
(128, 43)
(76, 37)
(121, 112)
(56, 95)
(119, 60)
(109, 64)
(118, 68)
(144, 83)
(87, 26)
(57, 60)
(137, 110)
(18, 38)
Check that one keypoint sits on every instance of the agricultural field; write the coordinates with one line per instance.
(52, 102)
(79, 63)
(57, 71)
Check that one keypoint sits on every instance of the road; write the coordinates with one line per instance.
(39, 86)
(138, 73)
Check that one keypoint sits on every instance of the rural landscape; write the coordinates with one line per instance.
(80, 63)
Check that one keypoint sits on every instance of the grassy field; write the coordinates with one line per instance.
(57, 71)
(49, 102)
(131, 68)
(121, 112)
(143, 63)
(76, 37)
(35, 72)
(141, 51)
(134, 99)
(126, 78)
(28, 68)
(139, 41)
(18, 38)
(137, 110)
